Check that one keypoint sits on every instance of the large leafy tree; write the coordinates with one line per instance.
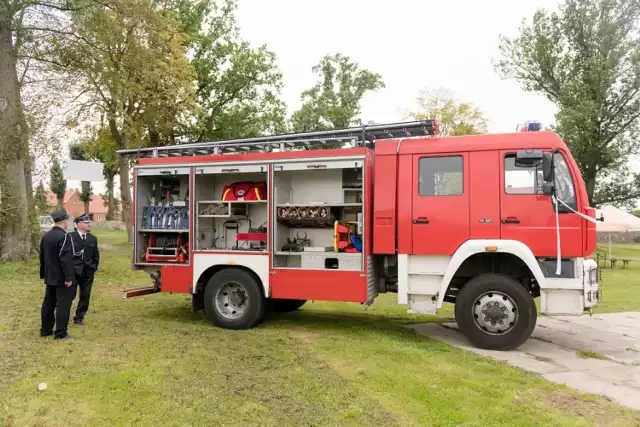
(585, 58)
(334, 101)
(455, 118)
(23, 24)
(15, 242)
(238, 87)
(128, 61)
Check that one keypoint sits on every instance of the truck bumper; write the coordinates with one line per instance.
(572, 296)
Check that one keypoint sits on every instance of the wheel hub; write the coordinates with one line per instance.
(231, 300)
(495, 312)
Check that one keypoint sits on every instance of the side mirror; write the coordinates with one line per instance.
(527, 158)
(547, 167)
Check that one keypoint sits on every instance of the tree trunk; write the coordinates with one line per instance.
(31, 203)
(85, 195)
(110, 178)
(125, 196)
(590, 183)
(15, 242)
(125, 192)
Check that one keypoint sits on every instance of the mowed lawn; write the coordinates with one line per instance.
(149, 361)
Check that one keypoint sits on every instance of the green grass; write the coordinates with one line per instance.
(620, 286)
(592, 355)
(149, 361)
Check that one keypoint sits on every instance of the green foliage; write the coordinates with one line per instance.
(454, 118)
(238, 87)
(101, 147)
(585, 58)
(78, 152)
(334, 101)
(636, 212)
(40, 199)
(128, 60)
(58, 183)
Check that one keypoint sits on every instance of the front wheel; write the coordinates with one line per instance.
(233, 299)
(495, 312)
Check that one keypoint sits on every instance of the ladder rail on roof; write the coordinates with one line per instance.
(357, 135)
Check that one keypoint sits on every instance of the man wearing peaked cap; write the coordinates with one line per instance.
(56, 269)
(85, 265)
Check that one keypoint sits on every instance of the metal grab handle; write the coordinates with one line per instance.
(511, 220)
(421, 220)
(230, 170)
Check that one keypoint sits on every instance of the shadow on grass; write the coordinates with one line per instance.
(315, 319)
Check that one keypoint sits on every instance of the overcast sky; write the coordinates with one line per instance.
(413, 44)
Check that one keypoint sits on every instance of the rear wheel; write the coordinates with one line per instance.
(495, 312)
(233, 299)
(286, 305)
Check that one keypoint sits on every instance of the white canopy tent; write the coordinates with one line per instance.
(616, 221)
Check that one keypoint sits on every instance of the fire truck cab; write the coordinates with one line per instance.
(486, 222)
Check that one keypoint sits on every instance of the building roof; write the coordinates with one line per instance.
(97, 205)
(52, 199)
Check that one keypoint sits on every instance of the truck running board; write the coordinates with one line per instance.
(130, 293)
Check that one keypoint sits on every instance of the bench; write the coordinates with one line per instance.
(625, 261)
(613, 261)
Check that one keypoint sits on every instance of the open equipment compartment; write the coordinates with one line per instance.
(318, 215)
(231, 203)
(162, 216)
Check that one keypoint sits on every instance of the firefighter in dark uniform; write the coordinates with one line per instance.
(85, 263)
(56, 269)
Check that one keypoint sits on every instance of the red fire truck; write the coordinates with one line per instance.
(486, 222)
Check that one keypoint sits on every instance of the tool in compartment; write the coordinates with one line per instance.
(247, 191)
(255, 237)
(296, 244)
(345, 240)
(166, 249)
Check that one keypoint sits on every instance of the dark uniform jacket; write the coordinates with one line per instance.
(56, 257)
(87, 255)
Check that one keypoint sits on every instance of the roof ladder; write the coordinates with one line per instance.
(358, 136)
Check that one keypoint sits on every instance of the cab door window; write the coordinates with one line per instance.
(521, 180)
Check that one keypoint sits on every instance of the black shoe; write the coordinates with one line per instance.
(79, 322)
(48, 334)
(66, 337)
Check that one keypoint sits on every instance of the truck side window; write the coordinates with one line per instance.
(441, 176)
(521, 180)
(565, 189)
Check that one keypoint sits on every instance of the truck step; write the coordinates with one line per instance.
(422, 303)
(136, 292)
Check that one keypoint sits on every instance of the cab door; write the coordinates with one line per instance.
(440, 208)
(529, 216)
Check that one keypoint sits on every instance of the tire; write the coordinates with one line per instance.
(233, 299)
(286, 305)
(501, 295)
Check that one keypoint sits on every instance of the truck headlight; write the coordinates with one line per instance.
(593, 275)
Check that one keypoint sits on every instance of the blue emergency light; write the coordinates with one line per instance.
(530, 126)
